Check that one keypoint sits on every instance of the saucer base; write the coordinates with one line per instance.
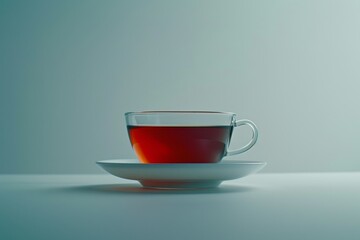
(171, 184)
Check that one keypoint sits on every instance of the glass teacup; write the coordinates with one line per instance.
(184, 136)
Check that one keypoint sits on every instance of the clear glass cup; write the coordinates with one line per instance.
(184, 136)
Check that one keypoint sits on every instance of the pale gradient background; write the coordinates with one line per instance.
(70, 69)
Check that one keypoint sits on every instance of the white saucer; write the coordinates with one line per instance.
(193, 175)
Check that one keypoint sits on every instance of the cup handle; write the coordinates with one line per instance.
(252, 141)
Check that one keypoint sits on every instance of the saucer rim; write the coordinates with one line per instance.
(135, 162)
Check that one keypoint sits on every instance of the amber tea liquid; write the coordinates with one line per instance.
(180, 144)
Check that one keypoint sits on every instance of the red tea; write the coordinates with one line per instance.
(180, 144)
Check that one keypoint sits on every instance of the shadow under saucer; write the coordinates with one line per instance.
(138, 189)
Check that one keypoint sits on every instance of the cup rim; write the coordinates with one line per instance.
(178, 112)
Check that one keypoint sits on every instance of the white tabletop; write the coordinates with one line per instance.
(261, 206)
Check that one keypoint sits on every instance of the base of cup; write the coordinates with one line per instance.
(166, 184)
